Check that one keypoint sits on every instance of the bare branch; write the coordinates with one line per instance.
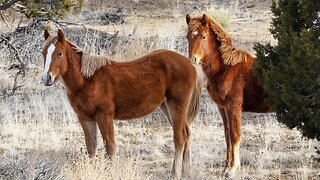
(64, 23)
(1, 15)
(15, 82)
(15, 50)
(7, 4)
(21, 67)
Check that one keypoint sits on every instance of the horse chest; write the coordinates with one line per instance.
(83, 105)
(222, 86)
(214, 92)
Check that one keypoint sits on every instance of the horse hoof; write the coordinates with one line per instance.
(186, 176)
(228, 175)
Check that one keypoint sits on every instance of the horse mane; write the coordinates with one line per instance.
(231, 55)
(90, 62)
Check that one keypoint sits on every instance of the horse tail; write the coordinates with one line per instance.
(194, 104)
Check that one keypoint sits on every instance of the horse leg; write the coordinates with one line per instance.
(90, 135)
(234, 119)
(180, 136)
(165, 110)
(227, 138)
(186, 154)
(106, 126)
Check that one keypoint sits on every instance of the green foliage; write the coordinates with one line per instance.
(50, 9)
(290, 70)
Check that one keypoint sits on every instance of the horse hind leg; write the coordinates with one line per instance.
(186, 154)
(90, 134)
(165, 110)
(181, 138)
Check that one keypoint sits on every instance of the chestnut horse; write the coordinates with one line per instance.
(230, 80)
(100, 90)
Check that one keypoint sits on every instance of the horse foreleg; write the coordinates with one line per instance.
(227, 138)
(90, 134)
(106, 126)
(234, 119)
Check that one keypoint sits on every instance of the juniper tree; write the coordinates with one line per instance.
(290, 70)
(47, 9)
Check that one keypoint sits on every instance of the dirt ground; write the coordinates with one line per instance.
(42, 139)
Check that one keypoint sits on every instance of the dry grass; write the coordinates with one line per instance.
(42, 139)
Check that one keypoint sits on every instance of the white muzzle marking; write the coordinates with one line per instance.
(196, 59)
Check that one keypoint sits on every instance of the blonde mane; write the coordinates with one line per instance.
(231, 55)
(90, 63)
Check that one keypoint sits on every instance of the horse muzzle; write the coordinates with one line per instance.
(47, 79)
(195, 59)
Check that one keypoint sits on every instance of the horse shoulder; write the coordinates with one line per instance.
(92, 95)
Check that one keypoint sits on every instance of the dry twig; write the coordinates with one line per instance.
(21, 66)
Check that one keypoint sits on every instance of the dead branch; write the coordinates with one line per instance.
(7, 4)
(64, 23)
(1, 15)
(15, 81)
(21, 66)
(14, 49)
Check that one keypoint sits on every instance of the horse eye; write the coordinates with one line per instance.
(203, 37)
(60, 54)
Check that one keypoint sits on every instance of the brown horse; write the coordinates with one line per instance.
(230, 81)
(100, 90)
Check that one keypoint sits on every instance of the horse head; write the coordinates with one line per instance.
(55, 57)
(200, 37)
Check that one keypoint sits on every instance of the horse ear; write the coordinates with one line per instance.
(60, 36)
(46, 34)
(188, 18)
(204, 19)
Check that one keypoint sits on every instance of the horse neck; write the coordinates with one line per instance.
(73, 78)
(213, 60)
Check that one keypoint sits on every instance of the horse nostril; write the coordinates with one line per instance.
(193, 58)
(48, 77)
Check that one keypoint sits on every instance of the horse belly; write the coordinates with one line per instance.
(255, 102)
(133, 109)
(140, 101)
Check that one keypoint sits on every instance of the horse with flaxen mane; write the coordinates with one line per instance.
(230, 80)
(100, 90)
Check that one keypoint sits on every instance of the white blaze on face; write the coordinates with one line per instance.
(47, 77)
(195, 32)
(48, 58)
